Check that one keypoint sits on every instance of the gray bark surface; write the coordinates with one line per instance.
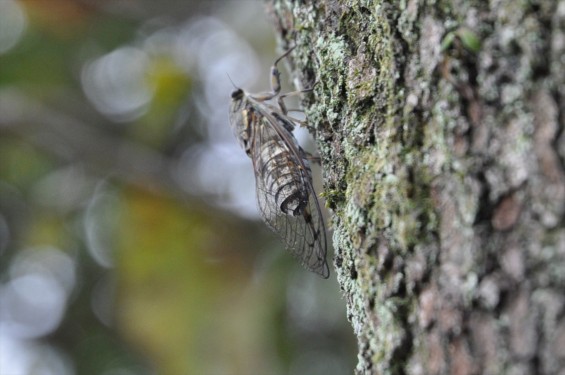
(440, 128)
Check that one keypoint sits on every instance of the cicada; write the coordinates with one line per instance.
(285, 194)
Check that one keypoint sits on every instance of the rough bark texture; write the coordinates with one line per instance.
(440, 127)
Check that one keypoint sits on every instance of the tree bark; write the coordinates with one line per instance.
(440, 128)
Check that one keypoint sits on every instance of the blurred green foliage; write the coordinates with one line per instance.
(150, 277)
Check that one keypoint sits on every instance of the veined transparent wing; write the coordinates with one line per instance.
(282, 173)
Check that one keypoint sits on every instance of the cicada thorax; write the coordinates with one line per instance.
(284, 176)
(241, 120)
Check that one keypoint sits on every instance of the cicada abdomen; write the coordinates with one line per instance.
(284, 178)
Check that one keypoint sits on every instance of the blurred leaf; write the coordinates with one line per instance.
(185, 301)
(172, 87)
(60, 36)
(48, 229)
(447, 41)
(469, 39)
(21, 164)
(166, 284)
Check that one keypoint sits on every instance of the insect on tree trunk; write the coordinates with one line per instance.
(440, 129)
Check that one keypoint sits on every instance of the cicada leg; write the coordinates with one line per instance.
(280, 100)
(313, 159)
(302, 123)
(275, 80)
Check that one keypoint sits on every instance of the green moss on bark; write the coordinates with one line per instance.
(435, 160)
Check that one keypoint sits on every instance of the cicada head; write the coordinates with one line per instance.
(237, 94)
(240, 119)
(236, 106)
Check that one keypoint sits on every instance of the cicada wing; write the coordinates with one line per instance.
(304, 234)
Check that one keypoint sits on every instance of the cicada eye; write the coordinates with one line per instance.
(237, 94)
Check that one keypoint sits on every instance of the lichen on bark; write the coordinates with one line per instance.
(440, 128)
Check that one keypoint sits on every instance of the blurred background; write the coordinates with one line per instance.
(130, 241)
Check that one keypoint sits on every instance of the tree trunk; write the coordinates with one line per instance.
(440, 128)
